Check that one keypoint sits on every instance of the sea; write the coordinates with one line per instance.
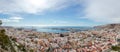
(59, 29)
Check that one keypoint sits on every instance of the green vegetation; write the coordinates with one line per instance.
(31, 50)
(8, 43)
(5, 42)
(21, 47)
(116, 48)
(0, 22)
(50, 49)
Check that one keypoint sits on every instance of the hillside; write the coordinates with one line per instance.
(5, 42)
(113, 27)
(8, 44)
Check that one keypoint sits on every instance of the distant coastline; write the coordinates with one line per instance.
(57, 29)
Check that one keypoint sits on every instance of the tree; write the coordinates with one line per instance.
(0, 22)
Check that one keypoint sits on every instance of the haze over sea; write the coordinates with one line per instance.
(59, 29)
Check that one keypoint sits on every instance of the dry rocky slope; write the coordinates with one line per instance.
(112, 27)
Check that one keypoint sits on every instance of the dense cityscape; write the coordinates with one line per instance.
(97, 40)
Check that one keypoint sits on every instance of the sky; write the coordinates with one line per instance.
(59, 12)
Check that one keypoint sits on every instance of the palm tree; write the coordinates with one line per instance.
(0, 22)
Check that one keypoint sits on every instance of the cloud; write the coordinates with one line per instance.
(16, 18)
(107, 11)
(33, 6)
(12, 19)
